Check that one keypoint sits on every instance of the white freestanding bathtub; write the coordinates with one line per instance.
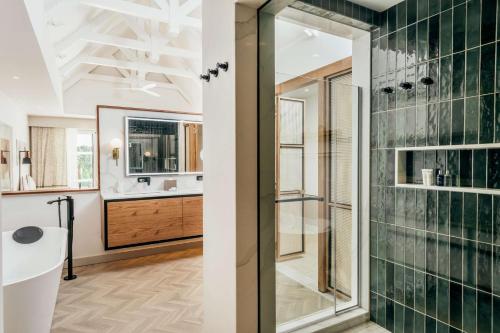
(31, 276)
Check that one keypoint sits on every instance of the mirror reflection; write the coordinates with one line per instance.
(161, 146)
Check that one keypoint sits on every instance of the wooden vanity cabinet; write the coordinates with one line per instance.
(134, 222)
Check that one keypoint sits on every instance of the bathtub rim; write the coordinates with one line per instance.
(60, 262)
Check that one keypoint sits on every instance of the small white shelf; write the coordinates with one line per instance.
(450, 188)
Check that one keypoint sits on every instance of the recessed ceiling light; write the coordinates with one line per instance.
(315, 55)
(311, 32)
(306, 90)
(15, 77)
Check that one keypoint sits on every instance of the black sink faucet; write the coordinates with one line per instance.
(144, 180)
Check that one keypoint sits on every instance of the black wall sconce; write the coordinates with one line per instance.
(26, 160)
(205, 77)
(387, 90)
(223, 65)
(405, 85)
(3, 159)
(427, 81)
(214, 72)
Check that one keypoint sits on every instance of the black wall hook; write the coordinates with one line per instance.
(405, 85)
(223, 65)
(205, 77)
(214, 72)
(387, 90)
(427, 80)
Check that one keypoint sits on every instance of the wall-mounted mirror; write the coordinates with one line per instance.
(5, 157)
(163, 146)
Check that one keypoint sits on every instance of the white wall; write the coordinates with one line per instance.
(1, 270)
(111, 126)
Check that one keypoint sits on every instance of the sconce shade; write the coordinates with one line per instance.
(116, 143)
(26, 160)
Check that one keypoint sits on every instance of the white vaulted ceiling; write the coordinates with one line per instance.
(128, 44)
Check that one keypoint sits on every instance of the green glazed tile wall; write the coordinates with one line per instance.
(434, 255)
(436, 266)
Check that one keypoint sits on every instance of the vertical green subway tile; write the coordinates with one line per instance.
(456, 213)
(410, 208)
(401, 94)
(434, 37)
(381, 204)
(470, 216)
(409, 320)
(453, 165)
(473, 23)
(420, 249)
(497, 117)
(465, 168)
(400, 206)
(485, 218)
(373, 274)
(423, 9)
(446, 37)
(382, 57)
(410, 247)
(442, 328)
(419, 323)
(373, 238)
(459, 28)
(472, 72)
(446, 4)
(420, 209)
(392, 44)
(444, 123)
(431, 253)
(389, 205)
(443, 287)
(420, 291)
(391, 242)
(484, 266)
(431, 217)
(411, 45)
(432, 124)
(479, 168)
(487, 79)
(488, 20)
(497, 86)
(443, 211)
(445, 78)
(382, 242)
(457, 122)
(456, 246)
(391, 98)
(469, 309)
(430, 295)
(381, 276)
(472, 120)
(496, 220)
(486, 116)
(496, 317)
(458, 80)
(421, 88)
(382, 130)
(433, 89)
(389, 276)
(441, 160)
(411, 93)
(401, 49)
(399, 318)
(493, 181)
(430, 325)
(384, 22)
(374, 131)
(392, 19)
(400, 128)
(399, 278)
(496, 270)
(389, 315)
(410, 126)
(401, 8)
(391, 129)
(421, 124)
(443, 256)
(381, 311)
(434, 7)
(409, 287)
(469, 263)
(484, 312)
(411, 11)
(399, 250)
(373, 306)
(422, 40)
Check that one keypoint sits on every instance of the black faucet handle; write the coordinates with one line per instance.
(144, 180)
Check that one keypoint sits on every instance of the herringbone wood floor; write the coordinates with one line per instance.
(155, 294)
(160, 293)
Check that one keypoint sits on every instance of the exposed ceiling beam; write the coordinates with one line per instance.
(137, 10)
(130, 81)
(130, 65)
(134, 44)
(189, 6)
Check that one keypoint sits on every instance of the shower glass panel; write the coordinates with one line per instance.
(316, 201)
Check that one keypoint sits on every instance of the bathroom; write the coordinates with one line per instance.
(250, 166)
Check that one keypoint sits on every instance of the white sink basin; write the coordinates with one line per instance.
(142, 193)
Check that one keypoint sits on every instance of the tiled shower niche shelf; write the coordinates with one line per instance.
(476, 168)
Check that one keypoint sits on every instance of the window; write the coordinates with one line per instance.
(85, 157)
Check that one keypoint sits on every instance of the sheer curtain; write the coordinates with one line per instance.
(49, 158)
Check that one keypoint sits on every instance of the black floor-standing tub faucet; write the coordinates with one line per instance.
(70, 219)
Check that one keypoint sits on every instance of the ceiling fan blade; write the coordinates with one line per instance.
(152, 93)
(149, 86)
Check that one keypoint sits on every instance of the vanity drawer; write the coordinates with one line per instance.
(192, 216)
(144, 221)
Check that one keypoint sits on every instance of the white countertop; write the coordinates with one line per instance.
(148, 194)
